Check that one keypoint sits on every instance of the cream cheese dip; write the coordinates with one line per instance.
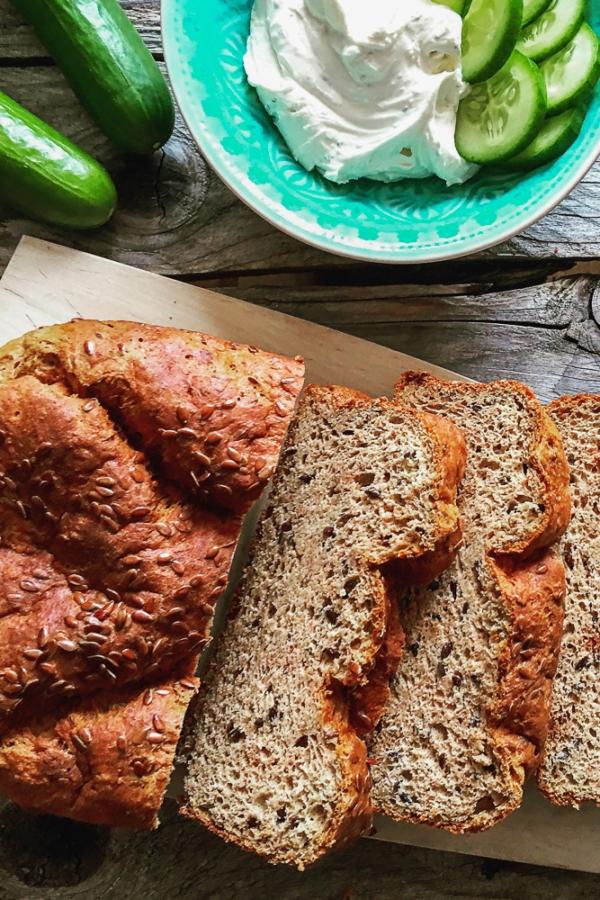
(362, 88)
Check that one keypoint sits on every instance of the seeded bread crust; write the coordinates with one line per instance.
(569, 772)
(108, 579)
(105, 760)
(84, 574)
(211, 412)
(508, 569)
(345, 689)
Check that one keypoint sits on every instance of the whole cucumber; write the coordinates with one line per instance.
(109, 67)
(44, 175)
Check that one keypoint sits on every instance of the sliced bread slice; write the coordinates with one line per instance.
(570, 770)
(468, 708)
(276, 764)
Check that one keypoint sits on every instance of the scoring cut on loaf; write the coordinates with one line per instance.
(468, 707)
(128, 455)
(570, 771)
(364, 494)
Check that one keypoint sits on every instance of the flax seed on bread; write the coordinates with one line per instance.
(570, 771)
(104, 759)
(128, 455)
(364, 492)
(468, 708)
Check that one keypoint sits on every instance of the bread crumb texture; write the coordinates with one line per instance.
(128, 456)
(364, 491)
(468, 708)
(570, 771)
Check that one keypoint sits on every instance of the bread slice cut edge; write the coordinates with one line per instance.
(352, 700)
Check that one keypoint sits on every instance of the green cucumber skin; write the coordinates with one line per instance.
(45, 176)
(538, 55)
(527, 161)
(503, 51)
(109, 67)
(533, 9)
(555, 107)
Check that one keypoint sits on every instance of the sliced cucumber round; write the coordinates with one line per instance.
(572, 72)
(533, 8)
(490, 31)
(499, 117)
(552, 30)
(555, 136)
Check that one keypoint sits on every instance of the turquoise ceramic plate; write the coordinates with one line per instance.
(405, 222)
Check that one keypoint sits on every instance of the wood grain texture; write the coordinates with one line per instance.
(177, 218)
(47, 859)
(18, 43)
(545, 335)
(45, 284)
(174, 215)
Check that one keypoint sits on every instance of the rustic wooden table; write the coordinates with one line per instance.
(529, 309)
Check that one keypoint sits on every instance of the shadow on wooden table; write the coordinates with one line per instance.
(43, 857)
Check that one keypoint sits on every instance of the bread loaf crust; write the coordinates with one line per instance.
(104, 760)
(351, 702)
(190, 398)
(108, 577)
(529, 582)
(533, 593)
(86, 574)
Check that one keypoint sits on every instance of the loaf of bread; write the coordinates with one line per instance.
(570, 771)
(108, 575)
(468, 709)
(364, 496)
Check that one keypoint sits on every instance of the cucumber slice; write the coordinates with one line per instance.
(572, 72)
(556, 135)
(490, 32)
(552, 30)
(532, 9)
(499, 118)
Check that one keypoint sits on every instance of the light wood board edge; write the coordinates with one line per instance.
(46, 283)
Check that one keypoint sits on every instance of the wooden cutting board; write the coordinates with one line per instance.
(45, 284)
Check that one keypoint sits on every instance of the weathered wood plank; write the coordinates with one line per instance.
(176, 217)
(53, 858)
(17, 41)
(542, 358)
(552, 304)
(544, 335)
